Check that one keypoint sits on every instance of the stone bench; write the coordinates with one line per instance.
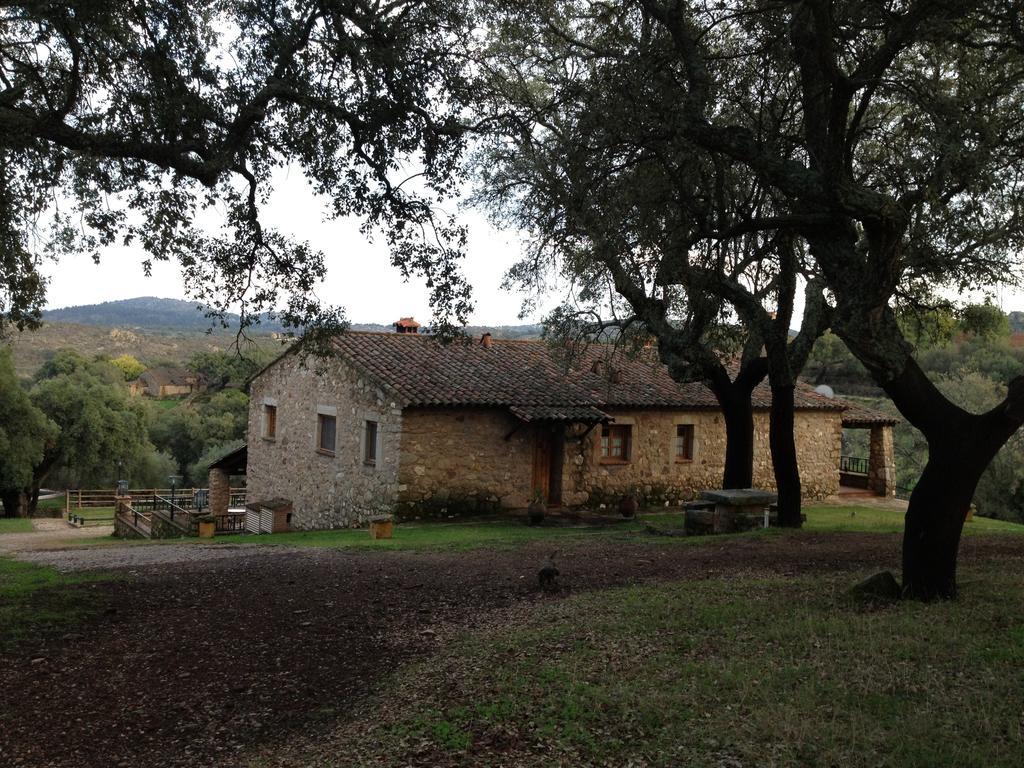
(737, 509)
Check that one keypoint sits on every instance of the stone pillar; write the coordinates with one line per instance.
(220, 492)
(882, 461)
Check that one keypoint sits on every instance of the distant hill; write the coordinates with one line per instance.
(153, 314)
(33, 348)
(146, 312)
(160, 331)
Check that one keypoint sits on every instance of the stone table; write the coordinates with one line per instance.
(739, 509)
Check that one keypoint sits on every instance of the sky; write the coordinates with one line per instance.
(359, 275)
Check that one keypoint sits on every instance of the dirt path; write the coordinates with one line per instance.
(192, 664)
(51, 532)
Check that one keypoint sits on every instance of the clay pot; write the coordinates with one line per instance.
(535, 512)
(628, 506)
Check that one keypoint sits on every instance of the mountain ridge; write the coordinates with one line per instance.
(156, 314)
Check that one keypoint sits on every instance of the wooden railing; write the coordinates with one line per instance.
(139, 519)
(855, 465)
(189, 498)
(232, 522)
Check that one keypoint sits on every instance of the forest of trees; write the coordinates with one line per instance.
(74, 425)
(971, 358)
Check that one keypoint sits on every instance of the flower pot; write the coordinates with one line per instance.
(207, 530)
(535, 512)
(628, 506)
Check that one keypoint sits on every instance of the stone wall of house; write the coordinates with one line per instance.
(653, 473)
(819, 436)
(457, 460)
(882, 461)
(326, 491)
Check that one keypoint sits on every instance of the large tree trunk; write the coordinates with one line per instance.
(782, 440)
(960, 446)
(15, 504)
(734, 398)
(738, 414)
(938, 507)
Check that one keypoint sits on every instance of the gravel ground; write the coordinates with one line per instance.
(129, 556)
(49, 533)
(235, 651)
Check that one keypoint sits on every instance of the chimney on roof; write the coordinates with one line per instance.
(406, 325)
(485, 340)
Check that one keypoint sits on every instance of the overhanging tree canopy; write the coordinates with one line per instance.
(121, 121)
(887, 137)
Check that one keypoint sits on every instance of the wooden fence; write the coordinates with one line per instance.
(81, 498)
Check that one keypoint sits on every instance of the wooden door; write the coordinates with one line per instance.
(541, 464)
(556, 449)
(548, 459)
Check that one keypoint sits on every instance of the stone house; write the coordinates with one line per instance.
(398, 423)
(166, 382)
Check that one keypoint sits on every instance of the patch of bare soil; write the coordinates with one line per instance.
(193, 662)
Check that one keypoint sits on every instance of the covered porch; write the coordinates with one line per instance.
(553, 427)
(867, 467)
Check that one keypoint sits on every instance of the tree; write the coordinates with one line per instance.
(984, 320)
(888, 138)
(121, 121)
(130, 368)
(615, 206)
(24, 434)
(194, 428)
(219, 369)
(97, 425)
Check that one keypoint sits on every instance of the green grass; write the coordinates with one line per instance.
(436, 536)
(858, 519)
(505, 533)
(35, 599)
(482, 534)
(15, 525)
(91, 514)
(785, 672)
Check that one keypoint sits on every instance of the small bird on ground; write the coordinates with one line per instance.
(547, 576)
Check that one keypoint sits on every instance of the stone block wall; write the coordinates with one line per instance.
(326, 491)
(456, 460)
(220, 492)
(819, 436)
(652, 470)
(882, 461)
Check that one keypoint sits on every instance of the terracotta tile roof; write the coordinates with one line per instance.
(857, 415)
(423, 372)
(165, 376)
(587, 414)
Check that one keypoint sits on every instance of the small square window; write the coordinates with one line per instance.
(325, 432)
(616, 443)
(270, 421)
(684, 442)
(370, 443)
